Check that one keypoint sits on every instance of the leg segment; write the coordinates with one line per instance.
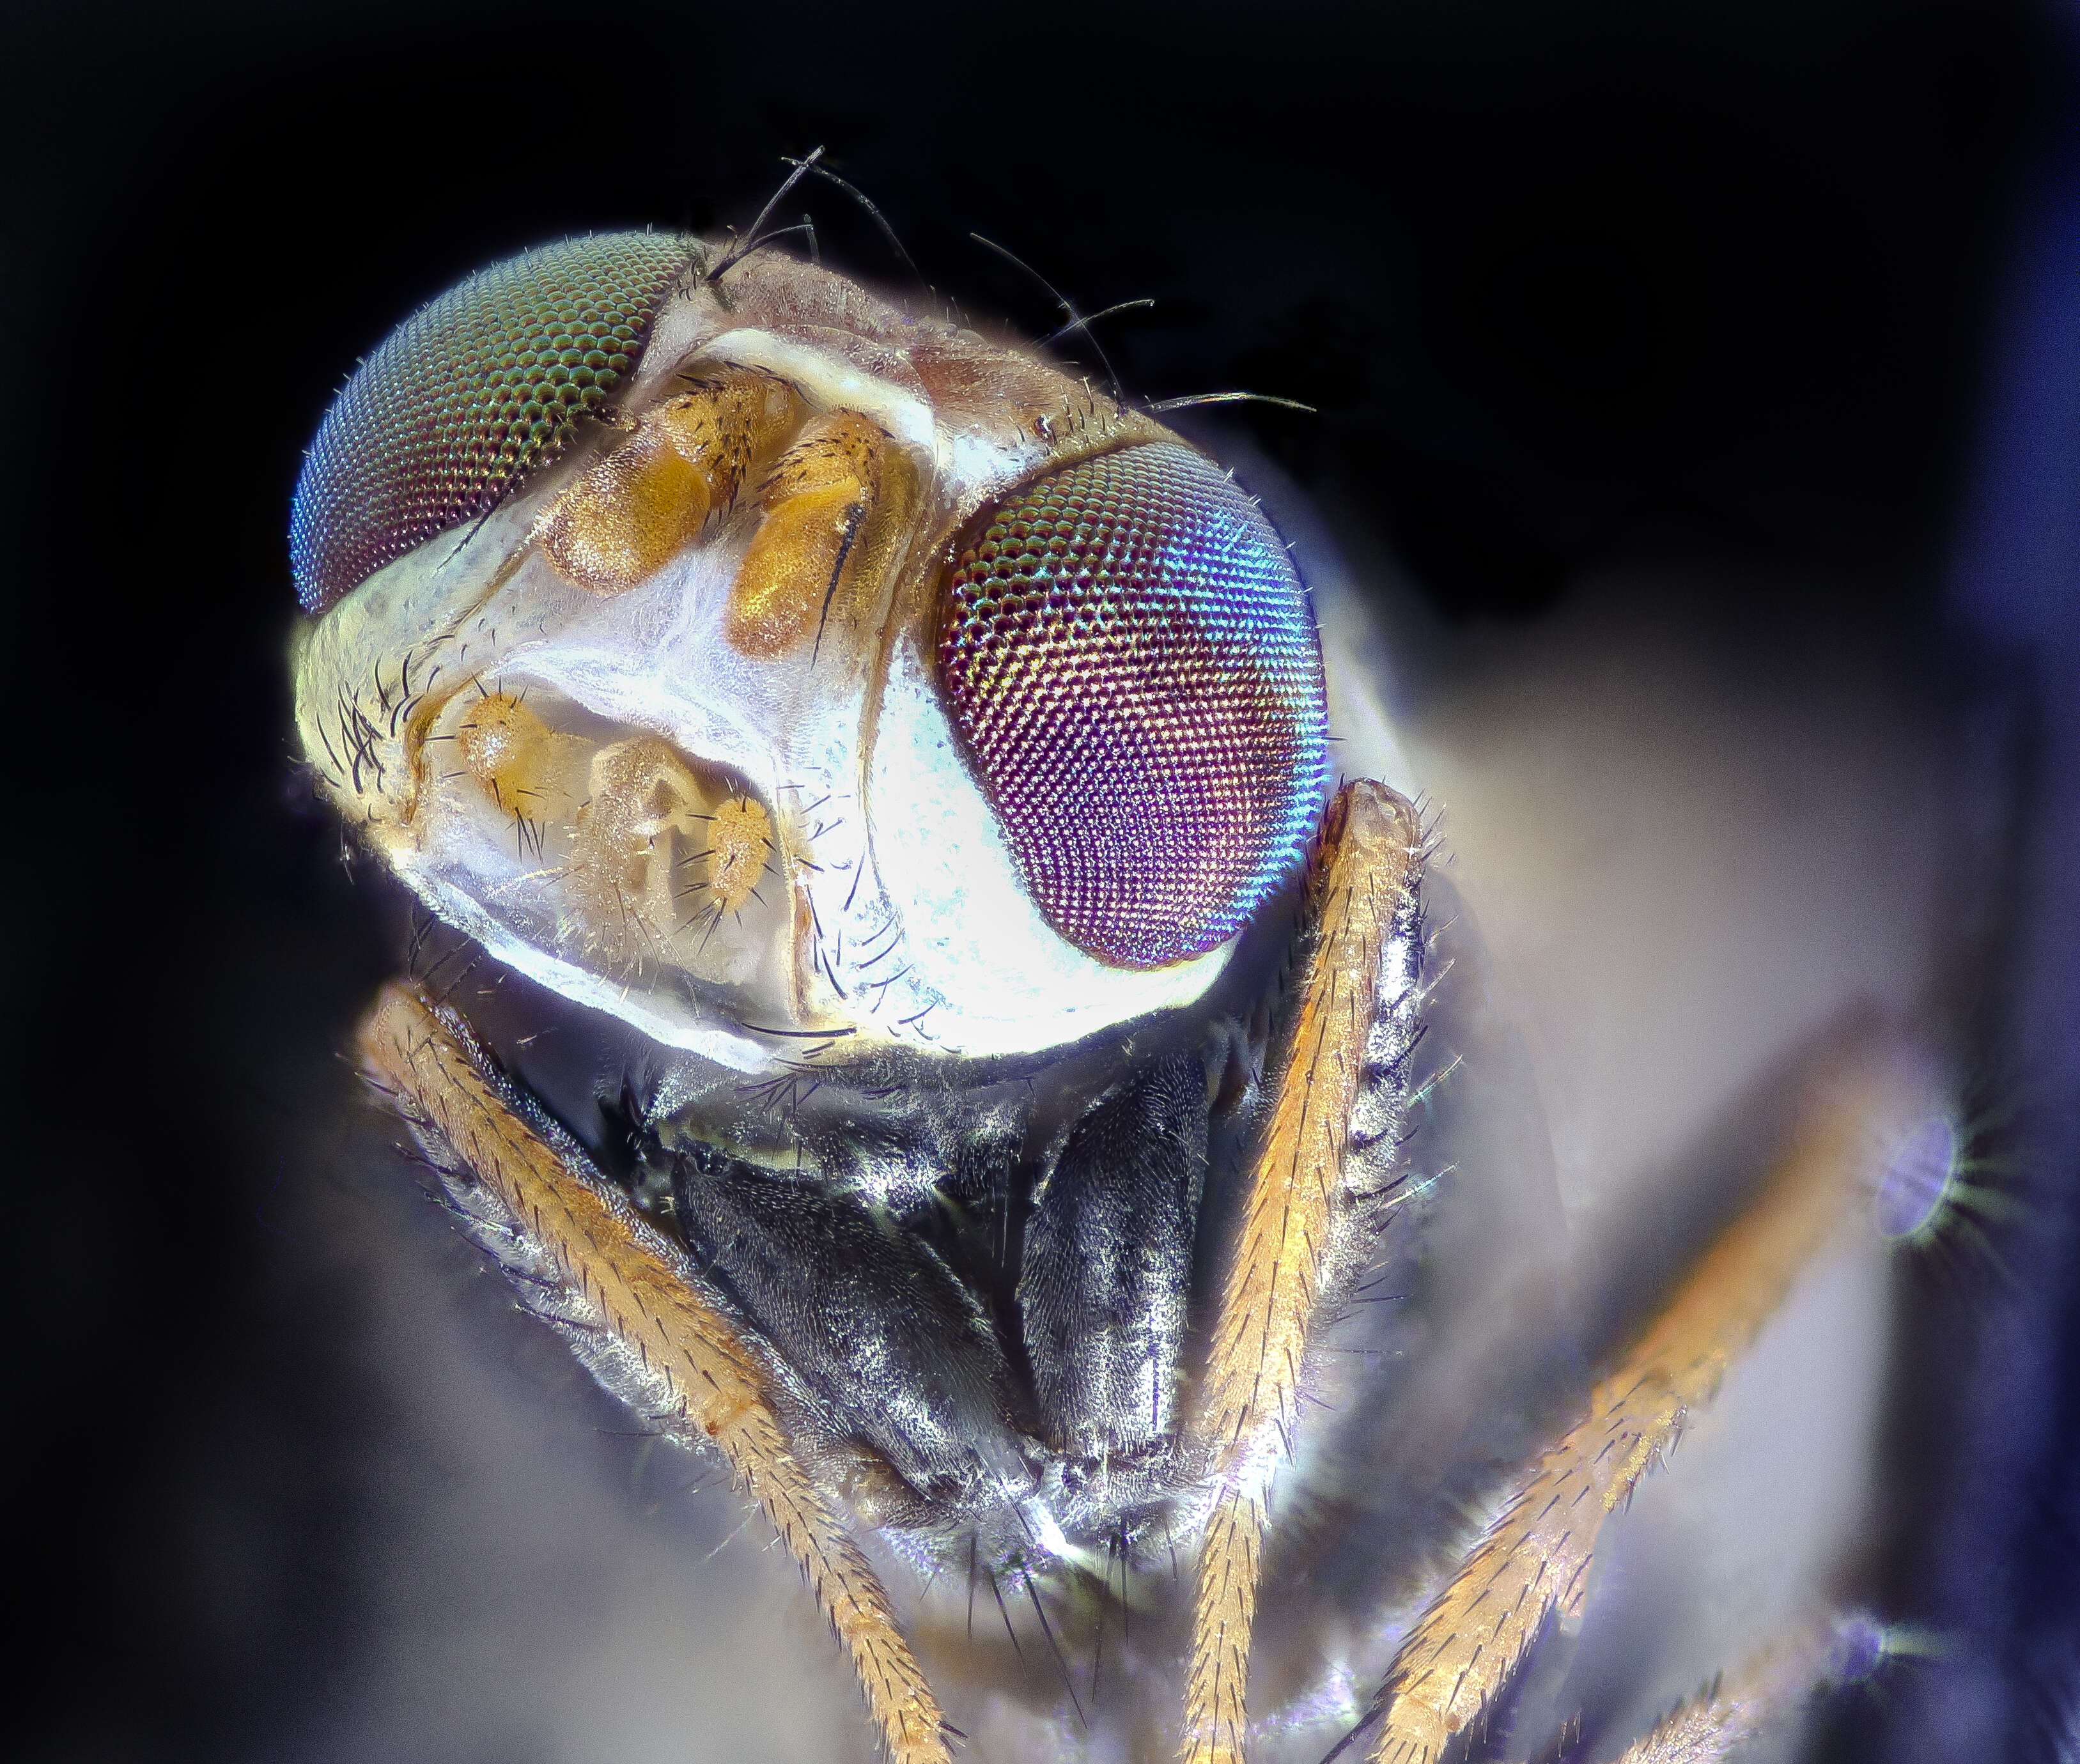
(1770, 1693)
(1300, 1213)
(1536, 1557)
(660, 1327)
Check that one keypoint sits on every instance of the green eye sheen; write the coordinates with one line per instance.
(469, 396)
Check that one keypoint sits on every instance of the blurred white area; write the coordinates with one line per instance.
(539, 1588)
(1689, 842)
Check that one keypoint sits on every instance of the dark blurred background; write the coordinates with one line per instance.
(1754, 282)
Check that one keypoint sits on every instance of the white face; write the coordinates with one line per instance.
(713, 714)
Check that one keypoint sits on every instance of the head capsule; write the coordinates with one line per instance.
(756, 659)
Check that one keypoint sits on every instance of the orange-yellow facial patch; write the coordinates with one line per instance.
(657, 859)
(664, 855)
(633, 510)
(739, 843)
(521, 764)
(833, 506)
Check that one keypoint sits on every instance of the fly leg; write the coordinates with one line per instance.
(650, 1323)
(1303, 1212)
(1764, 1698)
(1534, 1560)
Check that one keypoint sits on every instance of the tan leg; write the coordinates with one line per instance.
(624, 1275)
(1535, 1558)
(1360, 892)
(1769, 1695)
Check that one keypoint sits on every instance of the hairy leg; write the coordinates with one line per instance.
(1298, 1210)
(1535, 1558)
(641, 1304)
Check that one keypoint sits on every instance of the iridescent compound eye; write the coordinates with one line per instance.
(1132, 662)
(468, 396)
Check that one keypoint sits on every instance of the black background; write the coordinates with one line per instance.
(1560, 280)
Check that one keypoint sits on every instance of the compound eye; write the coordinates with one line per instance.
(467, 397)
(1132, 663)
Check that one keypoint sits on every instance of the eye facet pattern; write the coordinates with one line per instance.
(470, 395)
(1131, 661)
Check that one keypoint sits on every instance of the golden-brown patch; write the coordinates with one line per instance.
(634, 509)
(662, 853)
(835, 505)
(729, 423)
(517, 760)
(740, 840)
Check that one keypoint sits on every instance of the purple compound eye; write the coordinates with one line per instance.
(470, 395)
(1132, 663)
